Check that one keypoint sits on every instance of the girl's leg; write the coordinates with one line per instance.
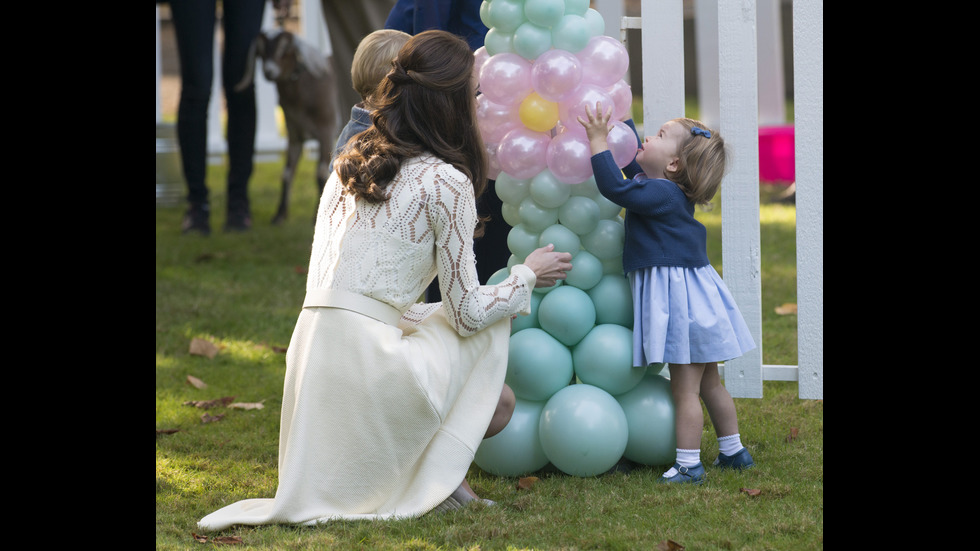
(718, 402)
(685, 386)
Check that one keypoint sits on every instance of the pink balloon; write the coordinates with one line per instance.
(506, 78)
(574, 105)
(555, 74)
(622, 94)
(569, 157)
(604, 60)
(495, 120)
(622, 143)
(522, 152)
(480, 57)
(493, 163)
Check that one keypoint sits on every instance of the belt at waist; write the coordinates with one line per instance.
(337, 298)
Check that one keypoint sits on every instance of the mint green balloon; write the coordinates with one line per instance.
(576, 7)
(498, 42)
(586, 271)
(510, 189)
(547, 190)
(606, 240)
(604, 358)
(544, 13)
(510, 213)
(596, 25)
(537, 364)
(545, 290)
(532, 40)
(521, 240)
(564, 239)
(613, 265)
(536, 217)
(516, 450)
(586, 188)
(579, 214)
(485, 14)
(572, 33)
(506, 15)
(607, 209)
(522, 322)
(650, 418)
(583, 430)
(613, 300)
(567, 314)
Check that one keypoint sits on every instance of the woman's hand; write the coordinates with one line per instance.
(549, 266)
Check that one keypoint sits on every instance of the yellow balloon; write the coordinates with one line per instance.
(537, 113)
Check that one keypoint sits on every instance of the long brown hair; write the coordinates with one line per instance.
(702, 164)
(426, 102)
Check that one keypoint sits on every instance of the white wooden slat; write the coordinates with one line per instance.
(741, 258)
(662, 41)
(808, 114)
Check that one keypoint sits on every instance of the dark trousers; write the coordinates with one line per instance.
(194, 25)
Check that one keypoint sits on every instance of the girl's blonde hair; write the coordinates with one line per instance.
(372, 59)
(702, 164)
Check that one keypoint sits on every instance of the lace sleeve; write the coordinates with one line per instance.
(469, 306)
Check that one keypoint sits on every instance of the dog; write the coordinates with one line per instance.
(307, 90)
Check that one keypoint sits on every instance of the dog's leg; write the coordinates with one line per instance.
(294, 149)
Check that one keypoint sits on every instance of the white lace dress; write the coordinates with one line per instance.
(386, 400)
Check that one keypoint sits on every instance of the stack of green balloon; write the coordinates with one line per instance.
(581, 404)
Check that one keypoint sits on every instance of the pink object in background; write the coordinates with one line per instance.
(777, 155)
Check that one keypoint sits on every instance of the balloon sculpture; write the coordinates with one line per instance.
(581, 404)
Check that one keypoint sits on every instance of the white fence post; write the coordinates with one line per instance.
(739, 123)
(808, 114)
(663, 71)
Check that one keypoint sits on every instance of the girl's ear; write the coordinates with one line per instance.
(673, 165)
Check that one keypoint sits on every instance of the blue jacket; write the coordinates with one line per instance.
(660, 226)
(460, 17)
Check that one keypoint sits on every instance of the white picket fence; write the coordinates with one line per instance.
(728, 80)
(727, 44)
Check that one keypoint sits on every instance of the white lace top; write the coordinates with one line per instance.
(391, 251)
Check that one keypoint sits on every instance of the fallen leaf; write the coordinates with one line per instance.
(786, 309)
(669, 545)
(750, 491)
(301, 269)
(167, 431)
(526, 482)
(197, 383)
(208, 404)
(219, 540)
(208, 418)
(793, 431)
(279, 349)
(202, 347)
(247, 405)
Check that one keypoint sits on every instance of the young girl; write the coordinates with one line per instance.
(684, 314)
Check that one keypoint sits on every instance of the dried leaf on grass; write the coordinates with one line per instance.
(167, 431)
(526, 482)
(301, 269)
(669, 545)
(201, 347)
(750, 491)
(786, 309)
(793, 431)
(197, 383)
(208, 404)
(247, 405)
(208, 418)
(218, 540)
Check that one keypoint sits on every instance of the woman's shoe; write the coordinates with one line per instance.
(741, 460)
(685, 475)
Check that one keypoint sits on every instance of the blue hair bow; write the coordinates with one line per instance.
(700, 132)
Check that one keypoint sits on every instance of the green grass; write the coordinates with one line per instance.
(243, 292)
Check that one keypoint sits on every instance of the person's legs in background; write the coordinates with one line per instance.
(241, 22)
(194, 22)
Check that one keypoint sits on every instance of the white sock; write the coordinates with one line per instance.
(729, 445)
(685, 458)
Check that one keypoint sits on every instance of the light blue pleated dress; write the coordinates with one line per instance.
(685, 315)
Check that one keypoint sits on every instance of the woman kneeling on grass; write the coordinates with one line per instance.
(386, 400)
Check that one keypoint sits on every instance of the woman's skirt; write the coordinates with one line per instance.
(378, 421)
